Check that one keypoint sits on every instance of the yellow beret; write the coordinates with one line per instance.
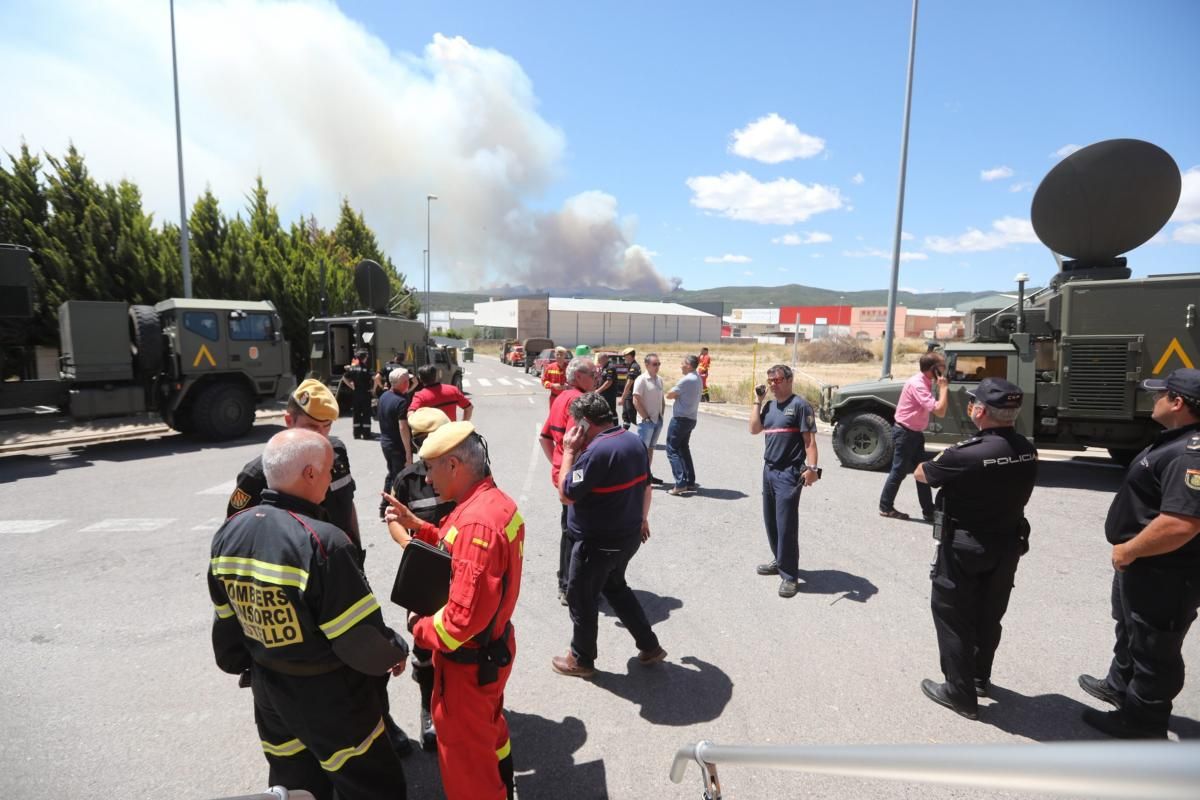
(315, 399)
(427, 419)
(445, 439)
(628, 351)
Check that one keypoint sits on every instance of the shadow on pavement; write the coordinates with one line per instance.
(1043, 717)
(1095, 474)
(422, 775)
(720, 494)
(671, 693)
(547, 748)
(658, 609)
(27, 465)
(834, 581)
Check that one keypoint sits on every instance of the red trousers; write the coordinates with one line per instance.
(472, 734)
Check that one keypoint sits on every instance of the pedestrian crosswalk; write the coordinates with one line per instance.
(487, 383)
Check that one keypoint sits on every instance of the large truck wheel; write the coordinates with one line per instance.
(180, 421)
(223, 411)
(863, 441)
(145, 340)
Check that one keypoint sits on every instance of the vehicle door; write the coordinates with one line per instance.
(202, 346)
(965, 370)
(255, 344)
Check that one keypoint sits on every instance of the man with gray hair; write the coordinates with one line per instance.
(581, 377)
(606, 485)
(292, 606)
(686, 394)
(979, 521)
(395, 436)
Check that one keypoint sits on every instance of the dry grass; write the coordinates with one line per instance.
(736, 368)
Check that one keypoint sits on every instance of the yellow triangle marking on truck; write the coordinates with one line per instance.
(203, 353)
(1176, 348)
(408, 354)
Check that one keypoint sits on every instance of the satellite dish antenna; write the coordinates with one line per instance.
(1105, 200)
(371, 283)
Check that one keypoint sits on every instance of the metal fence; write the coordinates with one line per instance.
(1085, 769)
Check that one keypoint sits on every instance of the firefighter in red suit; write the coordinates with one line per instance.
(471, 636)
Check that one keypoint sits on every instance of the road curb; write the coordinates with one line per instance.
(84, 437)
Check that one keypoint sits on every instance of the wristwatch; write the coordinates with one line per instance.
(811, 468)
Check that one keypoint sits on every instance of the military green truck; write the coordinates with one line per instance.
(333, 340)
(202, 365)
(1079, 346)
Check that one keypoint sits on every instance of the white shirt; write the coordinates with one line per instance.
(651, 391)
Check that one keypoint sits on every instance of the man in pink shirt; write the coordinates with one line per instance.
(908, 438)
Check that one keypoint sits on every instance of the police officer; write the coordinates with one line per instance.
(606, 484)
(311, 407)
(293, 607)
(632, 371)
(984, 484)
(1152, 526)
(413, 490)
(359, 378)
(789, 464)
(471, 636)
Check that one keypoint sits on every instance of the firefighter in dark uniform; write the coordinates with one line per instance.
(293, 607)
(359, 378)
(413, 490)
(313, 407)
(632, 371)
(984, 484)
(1152, 526)
(472, 636)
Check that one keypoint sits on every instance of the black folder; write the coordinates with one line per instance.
(423, 580)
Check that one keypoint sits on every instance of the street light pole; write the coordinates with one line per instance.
(184, 255)
(428, 256)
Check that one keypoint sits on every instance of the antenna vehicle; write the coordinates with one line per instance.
(1077, 347)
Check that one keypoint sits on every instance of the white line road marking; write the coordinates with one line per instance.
(28, 525)
(529, 381)
(466, 383)
(535, 458)
(128, 525)
(224, 489)
(504, 382)
(484, 382)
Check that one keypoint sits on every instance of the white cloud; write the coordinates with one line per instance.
(728, 258)
(814, 237)
(772, 139)
(858, 178)
(1188, 209)
(1066, 150)
(874, 252)
(1187, 234)
(1005, 231)
(905, 236)
(1021, 186)
(995, 174)
(747, 273)
(817, 255)
(322, 109)
(779, 202)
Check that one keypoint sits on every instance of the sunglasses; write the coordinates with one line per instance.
(776, 380)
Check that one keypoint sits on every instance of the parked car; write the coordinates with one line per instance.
(516, 357)
(539, 364)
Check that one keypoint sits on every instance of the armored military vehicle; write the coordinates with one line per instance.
(1079, 346)
(335, 339)
(202, 365)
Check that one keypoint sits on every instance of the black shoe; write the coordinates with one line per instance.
(428, 732)
(1116, 725)
(1100, 689)
(656, 481)
(396, 737)
(983, 687)
(770, 568)
(788, 588)
(940, 694)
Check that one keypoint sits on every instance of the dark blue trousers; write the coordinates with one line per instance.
(781, 513)
(394, 457)
(598, 568)
(908, 450)
(679, 450)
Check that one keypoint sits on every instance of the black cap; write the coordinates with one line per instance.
(1182, 381)
(997, 393)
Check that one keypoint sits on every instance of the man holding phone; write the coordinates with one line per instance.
(908, 433)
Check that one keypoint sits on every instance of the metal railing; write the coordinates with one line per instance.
(1089, 769)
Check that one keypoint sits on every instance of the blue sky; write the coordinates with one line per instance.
(626, 143)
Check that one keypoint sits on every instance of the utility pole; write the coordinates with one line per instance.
(429, 198)
(184, 254)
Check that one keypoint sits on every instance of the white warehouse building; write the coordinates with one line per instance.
(572, 321)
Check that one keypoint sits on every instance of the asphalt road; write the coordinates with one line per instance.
(109, 688)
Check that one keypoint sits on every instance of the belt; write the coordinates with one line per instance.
(905, 427)
(299, 669)
(475, 655)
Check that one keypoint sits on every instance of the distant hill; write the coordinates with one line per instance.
(792, 294)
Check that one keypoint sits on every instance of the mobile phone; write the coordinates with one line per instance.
(584, 426)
